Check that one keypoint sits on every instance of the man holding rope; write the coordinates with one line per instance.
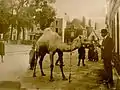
(106, 48)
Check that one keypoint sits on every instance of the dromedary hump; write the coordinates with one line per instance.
(49, 38)
(49, 35)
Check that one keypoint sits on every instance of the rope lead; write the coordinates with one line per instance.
(70, 65)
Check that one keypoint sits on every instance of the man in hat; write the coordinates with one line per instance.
(106, 48)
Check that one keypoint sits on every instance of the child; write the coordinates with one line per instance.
(32, 57)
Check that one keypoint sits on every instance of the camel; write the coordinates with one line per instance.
(50, 43)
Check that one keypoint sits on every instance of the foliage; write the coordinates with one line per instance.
(21, 13)
(45, 15)
(73, 27)
(4, 16)
(76, 23)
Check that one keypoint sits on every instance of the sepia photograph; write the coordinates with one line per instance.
(59, 45)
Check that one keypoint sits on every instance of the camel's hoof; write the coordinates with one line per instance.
(34, 75)
(43, 74)
(30, 68)
(65, 79)
(51, 80)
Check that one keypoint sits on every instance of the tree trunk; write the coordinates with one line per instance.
(11, 32)
(18, 32)
(23, 33)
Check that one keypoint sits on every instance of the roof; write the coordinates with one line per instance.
(95, 33)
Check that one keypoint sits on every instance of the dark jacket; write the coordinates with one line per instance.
(108, 47)
(91, 52)
(81, 52)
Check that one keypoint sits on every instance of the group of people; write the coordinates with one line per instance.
(106, 51)
(92, 52)
(106, 55)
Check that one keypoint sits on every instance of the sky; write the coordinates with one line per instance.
(93, 9)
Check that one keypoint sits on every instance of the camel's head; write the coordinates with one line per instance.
(76, 43)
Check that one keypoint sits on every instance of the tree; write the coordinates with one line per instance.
(45, 15)
(75, 27)
(23, 14)
(76, 23)
(4, 16)
(22, 18)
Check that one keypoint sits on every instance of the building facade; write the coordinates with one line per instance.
(36, 32)
(113, 23)
(58, 25)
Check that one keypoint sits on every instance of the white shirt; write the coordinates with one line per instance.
(105, 37)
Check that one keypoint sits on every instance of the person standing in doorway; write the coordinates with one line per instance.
(106, 48)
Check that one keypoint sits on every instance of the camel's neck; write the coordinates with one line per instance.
(66, 48)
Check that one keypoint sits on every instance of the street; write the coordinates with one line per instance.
(82, 78)
(47, 24)
(16, 64)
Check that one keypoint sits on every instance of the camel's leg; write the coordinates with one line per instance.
(51, 66)
(35, 64)
(56, 63)
(40, 63)
(61, 64)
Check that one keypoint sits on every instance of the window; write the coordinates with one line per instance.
(30, 37)
(57, 30)
(72, 34)
(14, 37)
(56, 23)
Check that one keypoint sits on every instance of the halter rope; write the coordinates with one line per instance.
(70, 64)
